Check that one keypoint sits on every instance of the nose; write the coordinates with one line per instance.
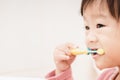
(91, 37)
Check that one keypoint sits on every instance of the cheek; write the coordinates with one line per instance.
(110, 37)
(110, 43)
(86, 41)
(111, 46)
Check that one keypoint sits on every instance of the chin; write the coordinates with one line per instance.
(101, 67)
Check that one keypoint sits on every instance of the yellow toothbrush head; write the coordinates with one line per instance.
(100, 51)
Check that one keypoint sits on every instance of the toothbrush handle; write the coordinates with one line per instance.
(78, 52)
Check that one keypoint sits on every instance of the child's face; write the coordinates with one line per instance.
(103, 31)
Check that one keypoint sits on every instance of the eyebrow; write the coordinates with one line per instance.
(99, 15)
(102, 15)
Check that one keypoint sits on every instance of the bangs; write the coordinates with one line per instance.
(113, 6)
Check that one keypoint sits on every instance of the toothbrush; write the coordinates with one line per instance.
(78, 51)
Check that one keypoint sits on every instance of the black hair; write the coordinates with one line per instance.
(113, 6)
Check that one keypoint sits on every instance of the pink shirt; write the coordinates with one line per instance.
(108, 74)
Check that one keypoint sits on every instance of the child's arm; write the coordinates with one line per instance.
(63, 60)
(63, 57)
(66, 75)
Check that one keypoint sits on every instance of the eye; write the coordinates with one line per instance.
(87, 27)
(100, 25)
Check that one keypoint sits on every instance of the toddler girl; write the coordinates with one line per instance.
(102, 24)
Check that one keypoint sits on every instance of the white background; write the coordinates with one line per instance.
(31, 29)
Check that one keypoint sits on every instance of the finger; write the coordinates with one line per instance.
(61, 56)
(71, 46)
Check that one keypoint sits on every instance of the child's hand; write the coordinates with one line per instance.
(63, 57)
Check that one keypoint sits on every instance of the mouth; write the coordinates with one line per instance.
(96, 51)
(93, 51)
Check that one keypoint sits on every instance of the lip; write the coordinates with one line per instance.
(95, 56)
(93, 48)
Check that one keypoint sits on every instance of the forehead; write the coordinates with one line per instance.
(96, 9)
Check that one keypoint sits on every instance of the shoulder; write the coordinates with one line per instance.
(108, 74)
